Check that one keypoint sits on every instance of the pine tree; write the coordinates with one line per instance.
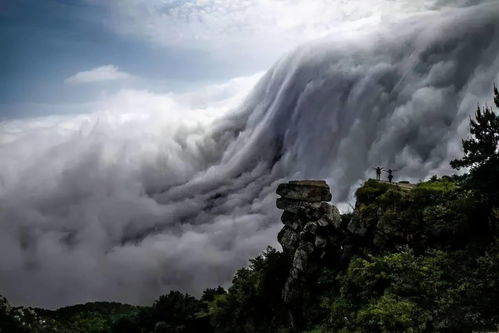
(481, 152)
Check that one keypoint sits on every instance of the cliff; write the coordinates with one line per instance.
(368, 262)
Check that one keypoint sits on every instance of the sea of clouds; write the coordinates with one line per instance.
(155, 192)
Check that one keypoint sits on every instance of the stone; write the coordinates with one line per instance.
(294, 205)
(294, 273)
(357, 226)
(322, 222)
(334, 239)
(320, 242)
(306, 237)
(310, 227)
(320, 183)
(309, 223)
(332, 215)
(288, 239)
(309, 191)
(306, 246)
(310, 211)
(300, 260)
(290, 293)
(291, 220)
(287, 292)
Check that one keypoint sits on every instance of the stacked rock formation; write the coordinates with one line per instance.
(309, 230)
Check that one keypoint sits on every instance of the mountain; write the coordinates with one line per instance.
(410, 258)
(154, 208)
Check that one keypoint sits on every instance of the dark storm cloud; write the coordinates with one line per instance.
(128, 205)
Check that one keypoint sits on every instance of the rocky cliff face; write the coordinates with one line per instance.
(310, 233)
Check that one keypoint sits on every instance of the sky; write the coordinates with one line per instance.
(160, 45)
(141, 142)
(47, 42)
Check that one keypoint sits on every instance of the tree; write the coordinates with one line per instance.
(180, 313)
(254, 301)
(125, 325)
(481, 152)
(210, 294)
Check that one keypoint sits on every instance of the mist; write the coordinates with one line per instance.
(151, 193)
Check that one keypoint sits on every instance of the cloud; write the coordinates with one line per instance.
(157, 192)
(228, 30)
(98, 74)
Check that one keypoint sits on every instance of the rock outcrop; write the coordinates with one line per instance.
(309, 233)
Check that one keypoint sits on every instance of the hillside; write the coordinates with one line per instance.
(419, 258)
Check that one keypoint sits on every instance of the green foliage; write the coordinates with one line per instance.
(437, 213)
(481, 153)
(253, 302)
(175, 312)
(420, 264)
(370, 191)
(210, 294)
(402, 292)
(445, 184)
(125, 325)
(97, 317)
(481, 148)
(421, 258)
(387, 314)
(315, 330)
(176, 308)
(10, 324)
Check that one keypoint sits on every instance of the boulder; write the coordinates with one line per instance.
(311, 228)
(332, 215)
(323, 222)
(288, 239)
(294, 206)
(291, 220)
(300, 260)
(358, 226)
(306, 211)
(306, 246)
(320, 242)
(308, 220)
(308, 190)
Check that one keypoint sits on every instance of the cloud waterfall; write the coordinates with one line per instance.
(159, 192)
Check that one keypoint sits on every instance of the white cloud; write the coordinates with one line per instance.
(256, 31)
(98, 74)
(156, 192)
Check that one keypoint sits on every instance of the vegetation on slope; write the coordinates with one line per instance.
(426, 259)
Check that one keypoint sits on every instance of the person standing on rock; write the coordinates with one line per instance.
(390, 175)
(378, 172)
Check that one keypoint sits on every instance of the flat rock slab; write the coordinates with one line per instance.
(321, 183)
(296, 206)
(305, 190)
